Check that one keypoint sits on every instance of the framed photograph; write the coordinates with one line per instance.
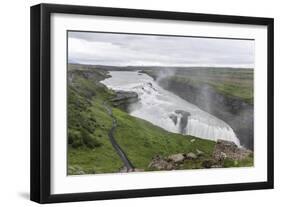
(132, 103)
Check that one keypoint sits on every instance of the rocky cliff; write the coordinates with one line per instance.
(234, 111)
(124, 99)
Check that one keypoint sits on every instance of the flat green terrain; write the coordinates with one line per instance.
(89, 148)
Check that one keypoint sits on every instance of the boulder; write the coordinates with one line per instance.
(176, 158)
(191, 156)
(160, 163)
(199, 153)
(226, 149)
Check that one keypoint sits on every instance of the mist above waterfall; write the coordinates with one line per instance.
(167, 110)
(164, 73)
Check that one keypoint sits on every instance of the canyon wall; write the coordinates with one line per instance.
(234, 111)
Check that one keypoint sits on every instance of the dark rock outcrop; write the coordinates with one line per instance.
(183, 120)
(124, 98)
(174, 118)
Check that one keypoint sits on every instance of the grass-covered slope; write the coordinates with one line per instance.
(89, 148)
(142, 141)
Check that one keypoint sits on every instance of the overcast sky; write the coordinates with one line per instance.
(149, 50)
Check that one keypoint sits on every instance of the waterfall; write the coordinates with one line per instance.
(168, 111)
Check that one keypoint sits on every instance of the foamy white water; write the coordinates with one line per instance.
(158, 105)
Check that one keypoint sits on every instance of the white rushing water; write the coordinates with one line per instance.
(161, 108)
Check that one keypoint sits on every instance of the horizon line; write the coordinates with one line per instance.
(180, 66)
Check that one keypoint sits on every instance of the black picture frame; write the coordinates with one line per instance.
(41, 99)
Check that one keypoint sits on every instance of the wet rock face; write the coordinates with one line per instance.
(183, 119)
(124, 98)
(174, 118)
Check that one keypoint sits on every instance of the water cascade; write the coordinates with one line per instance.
(166, 110)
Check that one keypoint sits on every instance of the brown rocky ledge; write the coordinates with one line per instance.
(223, 150)
(226, 149)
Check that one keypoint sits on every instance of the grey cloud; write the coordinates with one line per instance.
(128, 49)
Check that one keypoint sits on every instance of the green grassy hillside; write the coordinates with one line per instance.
(89, 148)
(142, 141)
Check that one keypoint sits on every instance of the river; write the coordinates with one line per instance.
(167, 110)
